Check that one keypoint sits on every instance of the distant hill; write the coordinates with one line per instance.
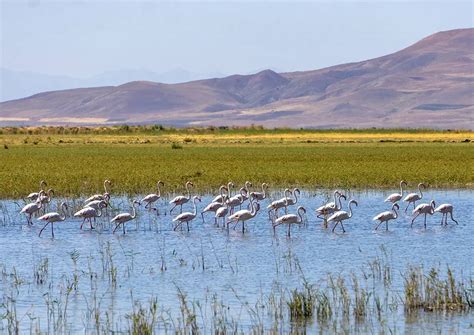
(429, 84)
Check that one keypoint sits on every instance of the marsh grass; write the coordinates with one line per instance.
(80, 169)
(429, 292)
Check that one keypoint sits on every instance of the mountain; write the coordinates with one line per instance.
(19, 84)
(428, 84)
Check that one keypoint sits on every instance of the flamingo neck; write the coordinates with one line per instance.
(401, 189)
(395, 213)
(335, 198)
(194, 207)
(301, 216)
(421, 193)
(340, 204)
(134, 215)
(350, 209)
(189, 192)
(159, 190)
(296, 197)
(63, 217)
(264, 191)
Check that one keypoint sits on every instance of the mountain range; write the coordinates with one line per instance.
(428, 84)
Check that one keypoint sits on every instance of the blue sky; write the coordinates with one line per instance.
(85, 38)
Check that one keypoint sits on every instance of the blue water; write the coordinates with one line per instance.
(153, 260)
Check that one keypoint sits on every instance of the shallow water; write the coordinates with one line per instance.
(241, 271)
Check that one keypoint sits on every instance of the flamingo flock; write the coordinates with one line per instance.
(224, 208)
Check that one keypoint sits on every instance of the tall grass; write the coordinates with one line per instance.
(80, 169)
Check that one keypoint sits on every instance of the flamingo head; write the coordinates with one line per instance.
(248, 184)
(421, 185)
(43, 183)
(160, 183)
(432, 204)
(301, 208)
(354, 202)
(395, 205)
(265, 185)
(196, 197)
(50, 192)
(342, 196)
(297, 190)
(403, 183)
(257, 207)
(189, 183)
(102, 204)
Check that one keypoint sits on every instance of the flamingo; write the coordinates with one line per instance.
(423, 209)
(181, 199)
(290, 219)
(340, 216)
(387, 216)
(244, 215)
(153, 197)
(45, 198)
(395, 197)
(87, 213)
(259, 196)
(215, 205)
(187, 216)
(330, 207)
(34, 196)
(227, 189)
(53, 217)
(445, 209)
(291, 202)
(30, 209)
(236, 200)
(122, 218)
(277, 204)
(221, 212)
(105, 196)
(414, 197)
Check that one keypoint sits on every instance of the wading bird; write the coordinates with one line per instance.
(31, 209)
(228, 189)
(153, 197)
(87, 213)
(53, 217)
(414, 197)
(330, 207)
(244, 215)
(445, 209)
(34, 196)
(259, 196)
(277, 204)
(187, 216)
(180, 200)
(290, 219)
(395, 197)
(340, 216)
(236, 200)
(221, 213)
(105, 196)
(387, 216)
(122, 218)
(423, 209)
(215, 205)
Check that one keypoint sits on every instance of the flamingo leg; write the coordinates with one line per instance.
(378, 225)
(343, 230)
(289, 230)
(442, 219)
(386, 225)
(181, 209)
(43, 228)
(425, 221)
(187, 225)
(202, 215)
(82, 223)
(123, 225)
(171, 210)
(116, 226)
(52, 229)
(406, 208)
(335, 225)
(416, 215)
(243, 227)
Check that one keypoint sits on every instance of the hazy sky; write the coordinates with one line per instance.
(85, 38)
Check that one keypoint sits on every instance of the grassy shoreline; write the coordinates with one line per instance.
(77, 164)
